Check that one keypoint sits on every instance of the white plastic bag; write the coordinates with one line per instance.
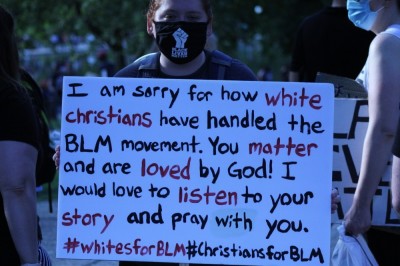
(351, 251)
(44, 257)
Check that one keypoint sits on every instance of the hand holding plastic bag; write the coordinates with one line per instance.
(351, 251)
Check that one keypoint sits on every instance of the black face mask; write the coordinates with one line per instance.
(181, 42)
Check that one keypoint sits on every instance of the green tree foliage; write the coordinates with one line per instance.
(118, 23)
(268, 35)
(258, 38)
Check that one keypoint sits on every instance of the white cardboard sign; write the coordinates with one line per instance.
(190, 171)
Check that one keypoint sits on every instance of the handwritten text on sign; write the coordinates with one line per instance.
(195, 171)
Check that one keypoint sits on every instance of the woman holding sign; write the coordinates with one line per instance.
(381, 79)
(180, 29)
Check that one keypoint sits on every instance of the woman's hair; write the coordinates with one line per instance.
(9, 59)
(155, 4)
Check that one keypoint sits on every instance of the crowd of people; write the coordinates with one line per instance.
(338, 40)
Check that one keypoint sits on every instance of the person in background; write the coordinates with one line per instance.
(18, 153)
(106, 68)
(62, 68)
(380, 77)
(328, 42)
(265, 74)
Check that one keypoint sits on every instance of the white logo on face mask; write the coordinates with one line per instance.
(179, 51)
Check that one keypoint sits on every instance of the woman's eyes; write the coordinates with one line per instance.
(169, 17)
(191, 18)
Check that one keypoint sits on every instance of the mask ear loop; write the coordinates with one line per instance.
(382, 7)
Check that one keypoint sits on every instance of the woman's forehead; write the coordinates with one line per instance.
(181, 6)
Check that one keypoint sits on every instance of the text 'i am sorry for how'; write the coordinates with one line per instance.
(283, 97)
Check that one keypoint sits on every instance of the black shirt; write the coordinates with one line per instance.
(17, 117)
(235, 71)
(328, 42)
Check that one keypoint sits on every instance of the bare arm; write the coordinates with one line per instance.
(383, 108)
(18, 189)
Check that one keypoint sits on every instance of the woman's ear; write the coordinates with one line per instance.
(150, 28)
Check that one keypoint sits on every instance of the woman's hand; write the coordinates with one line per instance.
(357, 220)
(56, 156)
(335, 199)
